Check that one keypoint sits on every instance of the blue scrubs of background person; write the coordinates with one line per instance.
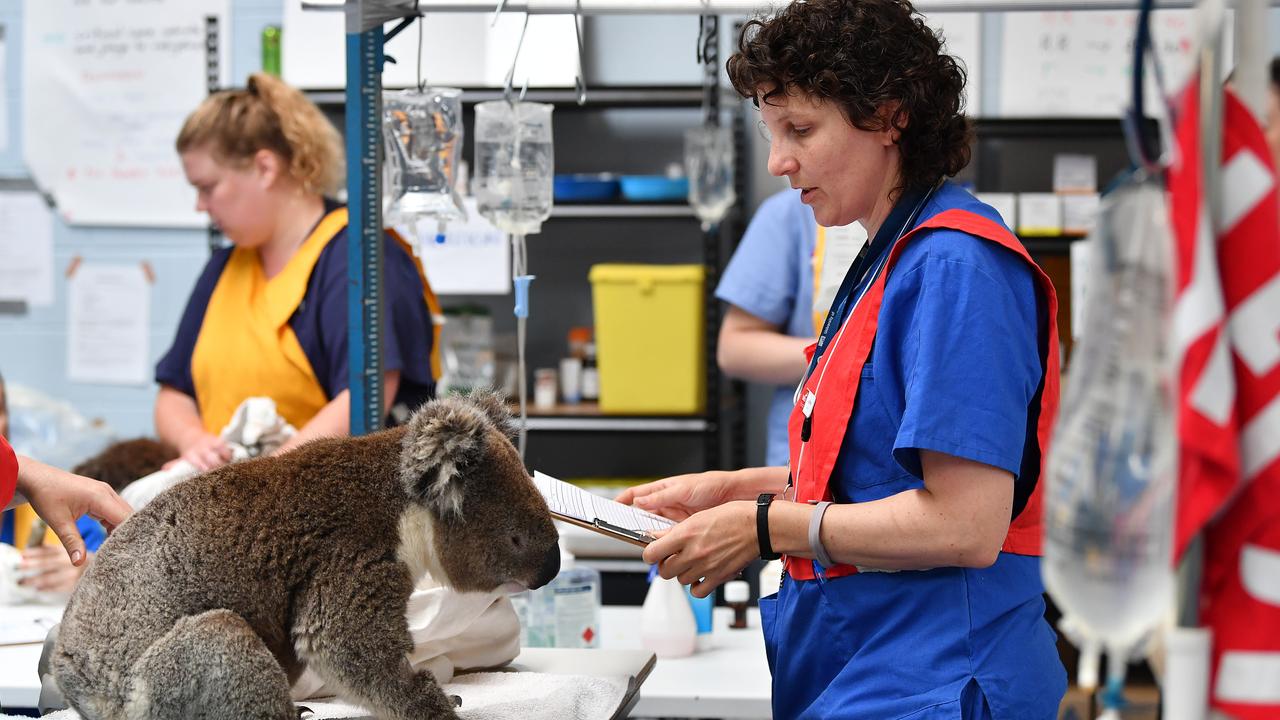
(921, 421)
(770, 278)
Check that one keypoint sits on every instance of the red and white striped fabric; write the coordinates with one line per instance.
(1227, 329)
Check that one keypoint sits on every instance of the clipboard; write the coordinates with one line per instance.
(576, 506)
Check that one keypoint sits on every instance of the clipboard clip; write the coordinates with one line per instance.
(637, 535)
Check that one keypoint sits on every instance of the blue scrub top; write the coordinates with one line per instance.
(771, 276)
(955, 368)
(320, 323)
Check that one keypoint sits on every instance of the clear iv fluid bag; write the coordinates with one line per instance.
(423, 134)
(1110, 479)
(514, 164)
(708, 161)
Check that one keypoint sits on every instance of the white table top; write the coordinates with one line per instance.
(731, 680)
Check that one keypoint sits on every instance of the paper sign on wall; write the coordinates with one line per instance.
(472, 260)
(962, 40)
(108, 323)
(26, 248)
(105, 88)
(1079, 63)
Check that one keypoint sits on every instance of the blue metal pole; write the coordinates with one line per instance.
(364, 228)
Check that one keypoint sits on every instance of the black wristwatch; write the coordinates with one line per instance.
(762, 527)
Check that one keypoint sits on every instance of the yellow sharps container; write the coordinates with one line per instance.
(649, 338)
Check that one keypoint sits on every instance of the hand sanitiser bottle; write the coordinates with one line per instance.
(565, 613)
(667, 626)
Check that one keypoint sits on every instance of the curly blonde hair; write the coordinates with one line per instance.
(268, 114)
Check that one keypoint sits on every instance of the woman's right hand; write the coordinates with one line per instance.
(205, 452)
(680, 496)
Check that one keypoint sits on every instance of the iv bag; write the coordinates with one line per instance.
(423, 133)
(1111, 475)
(708, 161)
(514, 164)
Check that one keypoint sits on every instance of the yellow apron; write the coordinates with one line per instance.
(819, 252)
(246, 347)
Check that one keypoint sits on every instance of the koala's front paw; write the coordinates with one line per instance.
(429, 699)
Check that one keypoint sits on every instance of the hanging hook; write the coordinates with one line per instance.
(422, 84)
(497, 12)
(579, 80)
(508, 87)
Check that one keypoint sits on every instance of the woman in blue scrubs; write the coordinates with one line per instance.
(909, 513)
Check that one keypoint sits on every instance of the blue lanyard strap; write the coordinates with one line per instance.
(901, 219)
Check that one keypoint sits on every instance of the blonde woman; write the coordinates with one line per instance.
(268, 316)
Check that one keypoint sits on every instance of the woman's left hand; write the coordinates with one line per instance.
(709, 548)
(48, 569)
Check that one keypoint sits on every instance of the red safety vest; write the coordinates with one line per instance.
(8, 473)
(812, 462)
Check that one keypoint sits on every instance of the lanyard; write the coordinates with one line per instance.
(868, 262)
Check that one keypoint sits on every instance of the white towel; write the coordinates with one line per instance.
(256, 428)
(499, 696)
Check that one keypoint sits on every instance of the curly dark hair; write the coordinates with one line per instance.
(862, 55)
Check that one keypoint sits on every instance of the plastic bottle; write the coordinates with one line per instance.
(271, 50)
(590, 374)
(564, 613)
(737, 593)
(703, 608)
(667, 626)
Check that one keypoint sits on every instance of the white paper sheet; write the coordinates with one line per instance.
(459, 49)
(26, 248)
(1080, 265)
(574, 502)
(108, 318)
(105, 89)
(1078, 63)
(472, 260)
(962, 40)
(4, 93)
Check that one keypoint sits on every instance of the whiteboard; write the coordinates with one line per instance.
(105, 89)
(1079, 64)
(962, 40)
(458, 49)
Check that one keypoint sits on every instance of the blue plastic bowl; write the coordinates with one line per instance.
(654, 188)
(585, 187)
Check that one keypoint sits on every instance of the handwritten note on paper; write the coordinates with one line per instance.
(1080, 63)
(109, 314)
(26, 248)
(105, 88)
(472, 260)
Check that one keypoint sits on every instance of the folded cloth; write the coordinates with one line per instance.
(451, 631)
(256, 428)
(498, 696)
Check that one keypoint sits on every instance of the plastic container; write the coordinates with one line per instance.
(564, 613)
(702, 612)
(667, 626)
(654, 188)
(598, 187)
(649, 338)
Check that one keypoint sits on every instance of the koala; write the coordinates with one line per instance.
(210, 601)
(123, 462)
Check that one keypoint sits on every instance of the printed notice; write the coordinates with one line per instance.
(572, 503)
(26, 248)
(108, 316)
(472, 259)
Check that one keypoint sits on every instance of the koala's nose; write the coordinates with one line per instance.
(550, 567)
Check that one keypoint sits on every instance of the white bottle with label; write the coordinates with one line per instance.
(565, 613)
(667, 626)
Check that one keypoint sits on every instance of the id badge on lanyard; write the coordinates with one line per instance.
(866, 265)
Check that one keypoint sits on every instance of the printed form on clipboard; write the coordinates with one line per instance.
(575, 505)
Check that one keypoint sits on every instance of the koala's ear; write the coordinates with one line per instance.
(494, 405)
(443, 439)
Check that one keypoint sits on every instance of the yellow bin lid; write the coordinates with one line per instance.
(647, 274)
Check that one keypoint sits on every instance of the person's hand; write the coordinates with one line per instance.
(205, 452)
(48, 569)
(708, 548)
(680, 496)
(61, 497)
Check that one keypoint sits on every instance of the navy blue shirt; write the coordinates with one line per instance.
(320, 323)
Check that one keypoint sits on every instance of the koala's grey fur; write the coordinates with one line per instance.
(209, 602)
